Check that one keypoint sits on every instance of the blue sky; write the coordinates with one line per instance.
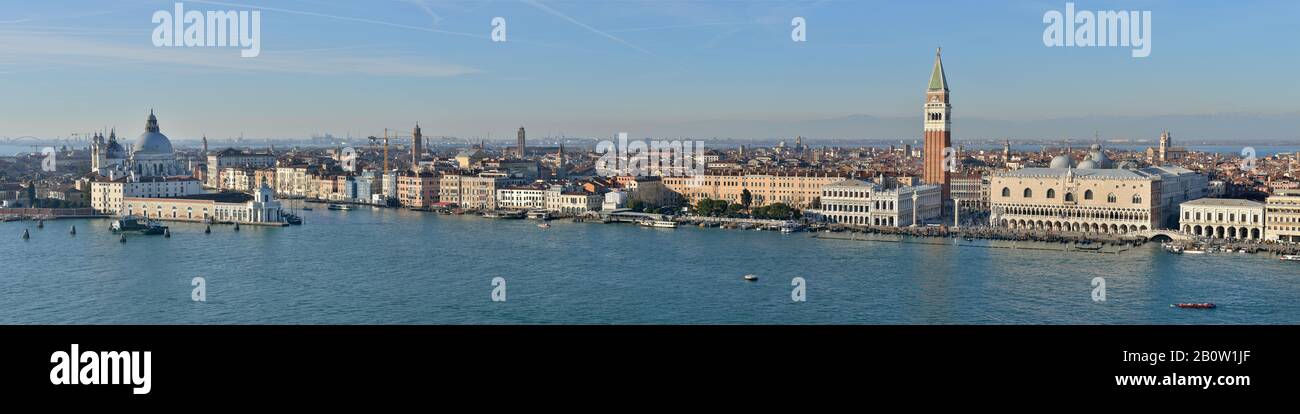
(595, 67)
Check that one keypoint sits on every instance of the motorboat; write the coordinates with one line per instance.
(544, 225)
(1291, 257)
(340, 207)
(1194, 305)
(750, 277)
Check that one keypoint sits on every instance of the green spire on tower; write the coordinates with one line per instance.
(938, 81)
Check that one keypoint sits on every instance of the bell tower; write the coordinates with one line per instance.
(938, 127)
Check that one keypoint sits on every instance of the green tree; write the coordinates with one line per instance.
(636, 205)
(746, 198)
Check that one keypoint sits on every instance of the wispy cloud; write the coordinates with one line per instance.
(538, 5)
(25, 52)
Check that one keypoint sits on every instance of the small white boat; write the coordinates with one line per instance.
(663, 224)
(544, 225)
(1291, 257)
(751, 278)
(1189, 251)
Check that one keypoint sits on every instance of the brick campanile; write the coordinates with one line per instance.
(938, 127)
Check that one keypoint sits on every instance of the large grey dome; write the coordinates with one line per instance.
(1061, 161)
(1088, 165)
(152, 141)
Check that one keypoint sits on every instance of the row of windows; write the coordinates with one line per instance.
(1187, 215)
(1069, 197)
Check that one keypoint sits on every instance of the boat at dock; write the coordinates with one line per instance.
(663, 224)
(508, 215)
(132, 224)
(1291, 257)
(539, 215)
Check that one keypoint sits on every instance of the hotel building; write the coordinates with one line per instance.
(1282, 215)
(474, 192)
(795, 189)
(231, 158)
(418, 190)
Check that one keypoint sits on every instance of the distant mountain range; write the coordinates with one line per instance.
(1185, 128)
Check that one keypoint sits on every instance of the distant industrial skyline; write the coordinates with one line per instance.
(682, 69)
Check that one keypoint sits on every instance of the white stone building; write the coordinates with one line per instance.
(864, 203)
(1221, 218)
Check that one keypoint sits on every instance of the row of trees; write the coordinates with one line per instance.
(723, 208)
(644, 207)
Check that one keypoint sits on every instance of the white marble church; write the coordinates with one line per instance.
(151, 155)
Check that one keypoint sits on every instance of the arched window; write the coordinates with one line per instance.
(1069, 197)
(1029, 193)
(1051, 193)
(1110, 198)
(1006, 192)
(1087, 195)
(1137, 199)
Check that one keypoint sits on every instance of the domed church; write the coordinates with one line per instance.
(152, 154)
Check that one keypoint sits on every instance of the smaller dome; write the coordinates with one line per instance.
(1088, 165)
(1061, 161)
(1095, 147)
(1102, 160)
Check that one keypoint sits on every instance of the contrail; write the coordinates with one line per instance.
(557, 13)
(346, 18)
(424, 5)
